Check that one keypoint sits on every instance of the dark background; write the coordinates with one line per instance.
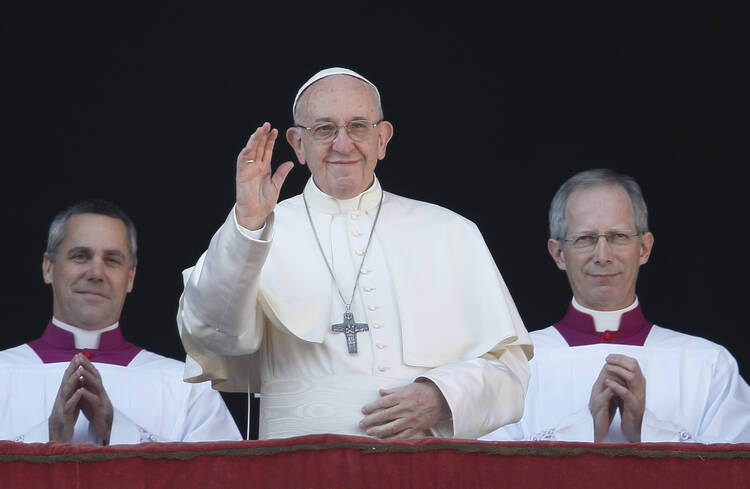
(492, 112)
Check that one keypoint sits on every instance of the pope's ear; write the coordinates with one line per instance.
(556, 252)
(385, 133)
(294, 138)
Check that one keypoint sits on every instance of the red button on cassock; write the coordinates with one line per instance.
(607, 335)
(87, 354)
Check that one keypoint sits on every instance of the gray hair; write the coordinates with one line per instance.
(95, 206)
(558, 225)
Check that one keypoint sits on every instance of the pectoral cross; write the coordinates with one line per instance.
(350, 329)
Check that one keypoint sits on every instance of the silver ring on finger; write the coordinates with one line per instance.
(251, 161)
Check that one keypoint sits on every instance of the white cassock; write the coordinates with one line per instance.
(256, 316)
(694, 391)
(150, 400)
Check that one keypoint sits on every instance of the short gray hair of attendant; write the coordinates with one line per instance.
(600, 177)
(56, 233)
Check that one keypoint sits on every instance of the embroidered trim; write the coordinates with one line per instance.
(146, 436)
(686, 436)
(546, 435)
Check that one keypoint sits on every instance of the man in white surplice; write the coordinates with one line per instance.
(81, 381)
(604, 373)
(349, 309)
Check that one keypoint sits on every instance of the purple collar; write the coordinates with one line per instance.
(578, 329)
(58, 345)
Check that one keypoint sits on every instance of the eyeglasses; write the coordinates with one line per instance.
(589, 241)
(325, 132)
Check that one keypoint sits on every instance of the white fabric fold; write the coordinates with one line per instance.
(429, 290)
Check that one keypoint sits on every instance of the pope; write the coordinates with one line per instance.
(350, 309)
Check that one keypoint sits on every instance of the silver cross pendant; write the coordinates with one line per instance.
(350, 329)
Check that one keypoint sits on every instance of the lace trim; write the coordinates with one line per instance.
(146, 436)
(686, 436)
(546, 435)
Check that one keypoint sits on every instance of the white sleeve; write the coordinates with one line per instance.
(218, 308)
(509, 432)
(725, 418)
(654, 429)
(578, 426)
(126, 432)
(204, 417)
(198, 415)
(482, 394)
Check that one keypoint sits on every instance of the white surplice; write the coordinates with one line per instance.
(150, 401)
(694, 392)
(429, 290)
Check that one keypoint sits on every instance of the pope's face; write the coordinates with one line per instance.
(91, 274)
(342, 168)
(602, 278)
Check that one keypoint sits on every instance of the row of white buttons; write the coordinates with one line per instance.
(364, 271)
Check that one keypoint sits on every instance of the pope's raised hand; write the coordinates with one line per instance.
(257, 188)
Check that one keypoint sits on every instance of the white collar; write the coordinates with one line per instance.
(605, 320)
(84, 338)
(322, 202)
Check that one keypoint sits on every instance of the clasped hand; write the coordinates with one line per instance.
(620, 385)
(81, 390)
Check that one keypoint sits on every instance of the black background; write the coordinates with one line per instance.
(492, 112)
